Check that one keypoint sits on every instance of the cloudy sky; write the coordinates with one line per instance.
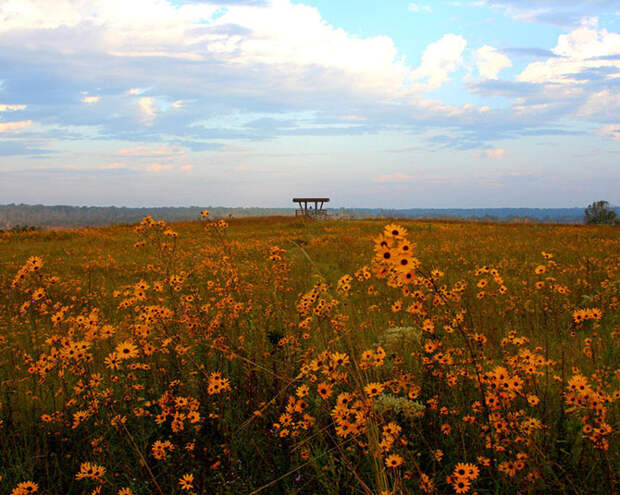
(251, 102)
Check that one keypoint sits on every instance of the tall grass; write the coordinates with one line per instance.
(277, 355)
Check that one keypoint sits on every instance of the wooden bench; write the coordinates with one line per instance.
(306, 211)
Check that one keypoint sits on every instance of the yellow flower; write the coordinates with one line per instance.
(466, 471)
(533, 400)
(324, 390)
(302, 391)
(90, 471)
(596, 313)
(395, 231)
(186, 482)
(126, 350)
(217, 384)
(393, 461)
(24, 488)
(373, 389)
(38, 294)
(579, 315)
(461, 485)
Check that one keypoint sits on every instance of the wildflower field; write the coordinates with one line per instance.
(281, 355)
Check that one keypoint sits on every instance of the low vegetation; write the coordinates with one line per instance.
(278, 355)
(88, 216)
(601, 212)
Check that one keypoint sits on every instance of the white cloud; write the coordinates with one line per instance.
(131, 20)
(583, 48)
(147, 108)
(554, 12)
(105, 166)
(291, 44)
(602, 104)
(415, 7)
(438, 60)
(523, 107)
(278, 54)
(113, 166)
(11, 108)
(611, 131)
(14, 127)
(495, 153)
(489, 62)
(158, 167)
(396, 177)
(89, 100)
(296, 37)
(163, 151)
(159, 54)
(353, 118)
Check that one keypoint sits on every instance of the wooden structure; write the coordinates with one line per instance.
(306, 211)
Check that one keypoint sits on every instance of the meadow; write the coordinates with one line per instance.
(282, 355)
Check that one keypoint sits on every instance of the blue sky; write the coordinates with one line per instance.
(251, 102)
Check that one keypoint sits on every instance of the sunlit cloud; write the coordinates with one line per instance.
(491, 153)
(353, 118)
(602, 104)
(15, 127)
(157, 54)
(397, 177)
(11, 108)
(495, 154)
(611, 131)
(439, 60)
(105, 166)
(90, 99)
(490, 62)
(113, 165)
(583, 48)
(556, 12)
(158, 167)
(147, 109)
(166, 150)
(416, 7)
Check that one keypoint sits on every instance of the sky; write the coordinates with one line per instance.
(373, 103)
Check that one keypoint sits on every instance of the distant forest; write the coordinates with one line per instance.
(14, 216)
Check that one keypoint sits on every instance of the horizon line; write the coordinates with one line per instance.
(326, 208)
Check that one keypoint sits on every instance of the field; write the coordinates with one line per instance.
(277, 355)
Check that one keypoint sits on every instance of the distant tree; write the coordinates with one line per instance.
(600, 213)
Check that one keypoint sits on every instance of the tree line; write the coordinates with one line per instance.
(22, 216)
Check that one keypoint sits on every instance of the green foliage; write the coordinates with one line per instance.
(600, 213)
(20, 228)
